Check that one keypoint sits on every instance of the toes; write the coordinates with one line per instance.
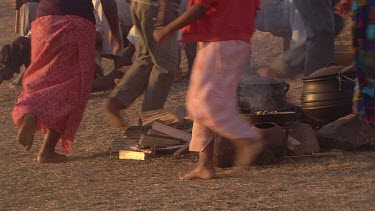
(199, 174)
(189, 176)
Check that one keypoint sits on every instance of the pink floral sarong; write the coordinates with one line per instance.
(57, 84)
(212, 99)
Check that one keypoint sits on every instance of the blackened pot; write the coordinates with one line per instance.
(328, 93)
(262, 93)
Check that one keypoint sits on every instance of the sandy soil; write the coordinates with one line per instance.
(94, 180)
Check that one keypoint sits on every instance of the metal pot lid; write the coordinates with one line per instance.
(331, 70)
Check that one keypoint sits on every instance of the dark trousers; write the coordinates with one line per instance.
(318, 17)
(155, 65)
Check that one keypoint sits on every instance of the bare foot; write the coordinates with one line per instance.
(51, 158)
(25, 136)
(199, 173)
(247, 152)
(113, 111)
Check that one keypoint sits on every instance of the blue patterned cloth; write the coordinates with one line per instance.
(364, 57)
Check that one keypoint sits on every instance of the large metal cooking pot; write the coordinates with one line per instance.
(328, 93)
(262, 93)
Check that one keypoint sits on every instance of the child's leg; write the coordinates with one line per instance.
(25, 136)
(205, 168)
(47, 153)
(212, 96)
(202, 142)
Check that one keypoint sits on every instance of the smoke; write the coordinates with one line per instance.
(260, 93)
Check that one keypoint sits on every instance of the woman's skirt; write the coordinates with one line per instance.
(57, 84)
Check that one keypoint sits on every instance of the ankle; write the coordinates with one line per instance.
(205, 165)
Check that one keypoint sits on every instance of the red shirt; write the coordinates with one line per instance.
(225, 20)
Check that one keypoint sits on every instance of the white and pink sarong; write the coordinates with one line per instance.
(57, 84)
(212, 95)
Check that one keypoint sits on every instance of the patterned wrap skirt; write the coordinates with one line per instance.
(212, 94)
(57, 84)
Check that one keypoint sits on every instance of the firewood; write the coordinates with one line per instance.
(135, 132)
(135, 155)
(121, 144)
(182, 150)
(164, 115)
(154, 132)
(154, 141)
(168, 149)
(159, 150)
(170, 131)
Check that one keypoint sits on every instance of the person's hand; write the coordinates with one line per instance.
(16, 4)
(343, 7)
(160, 34)
(115, 37)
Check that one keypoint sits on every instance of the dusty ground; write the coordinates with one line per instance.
(93, 180)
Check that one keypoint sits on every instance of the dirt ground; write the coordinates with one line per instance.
(94, 180)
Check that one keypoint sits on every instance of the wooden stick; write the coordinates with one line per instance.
(170, 131)
(158, 141)
(182, 150)
(167, 116)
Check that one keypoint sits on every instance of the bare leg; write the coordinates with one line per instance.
(247, 151)
(205, 168)
(25, 136)
(113, 111)
(47, 153)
